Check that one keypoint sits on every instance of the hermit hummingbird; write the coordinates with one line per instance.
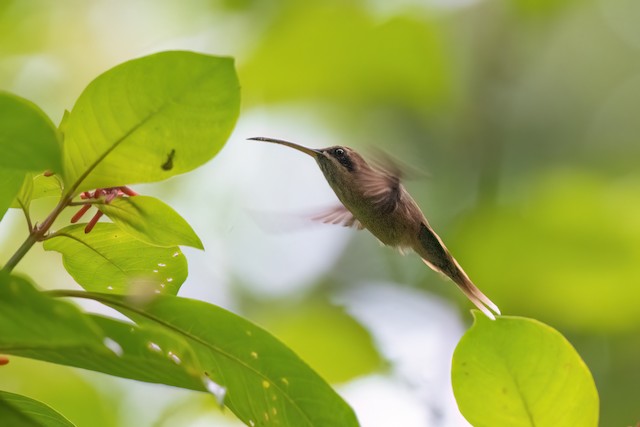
(374, 198)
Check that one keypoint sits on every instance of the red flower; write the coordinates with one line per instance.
(108, 193)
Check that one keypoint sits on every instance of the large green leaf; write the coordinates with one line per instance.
(35, 325)
(110, 260)
(28, 319)
(518, 372)
(149, 119)
(266, 383)
(145, 353)
(28, 138)
(176, 341)
(21, 411)
(151, 221)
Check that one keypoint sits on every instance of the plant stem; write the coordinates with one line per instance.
(25, 210)
(21, 252)
(37, 234)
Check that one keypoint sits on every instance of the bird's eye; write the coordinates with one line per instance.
(339, 152)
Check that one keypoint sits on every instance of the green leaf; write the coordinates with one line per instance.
(10, 183)
(28, 138)
(35, 325)
(266, 382)
(23, 198)
(516, 372)
(37, 187)
(148, 353)
(176, 341)
(110, 260)
(21, 411)
(145, 353)
(149, 119)
(150, 220)
(28, 319)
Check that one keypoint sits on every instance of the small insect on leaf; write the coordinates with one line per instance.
(168, 165)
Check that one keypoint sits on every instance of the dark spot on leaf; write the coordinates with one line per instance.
(168, 165)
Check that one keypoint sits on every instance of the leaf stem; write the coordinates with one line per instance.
(37, 234)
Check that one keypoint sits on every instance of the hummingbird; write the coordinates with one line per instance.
(373, 198)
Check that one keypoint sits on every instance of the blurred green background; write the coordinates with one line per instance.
(522, 116)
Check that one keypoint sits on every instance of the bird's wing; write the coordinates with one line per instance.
(405, 171)
(382, 187)
(338, 215)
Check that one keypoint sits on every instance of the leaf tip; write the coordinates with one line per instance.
(198, 244)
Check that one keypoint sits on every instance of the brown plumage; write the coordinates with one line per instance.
(374, 198)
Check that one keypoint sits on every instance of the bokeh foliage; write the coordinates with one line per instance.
(522, 112)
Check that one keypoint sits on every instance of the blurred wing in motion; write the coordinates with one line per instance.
(338, 215)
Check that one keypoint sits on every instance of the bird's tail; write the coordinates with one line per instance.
(472, 292)
(434, 253)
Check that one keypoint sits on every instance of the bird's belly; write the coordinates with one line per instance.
(391, 228)
(387, 228)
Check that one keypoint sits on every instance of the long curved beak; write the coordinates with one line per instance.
(310, 151)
